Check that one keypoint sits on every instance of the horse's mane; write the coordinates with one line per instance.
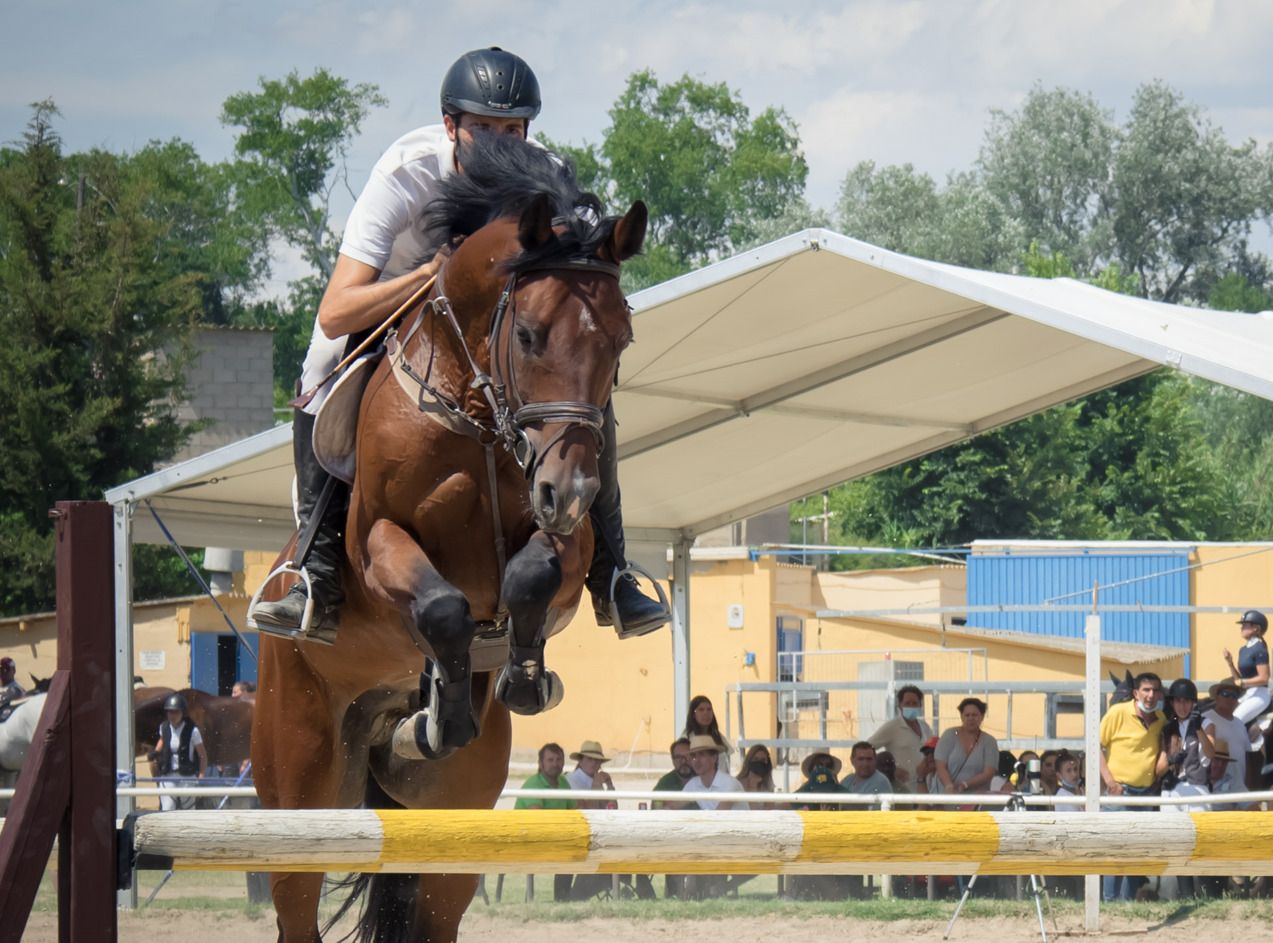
(502, 176)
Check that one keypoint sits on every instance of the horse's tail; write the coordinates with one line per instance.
(386, 902)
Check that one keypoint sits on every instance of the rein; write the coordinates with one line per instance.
(507, 423)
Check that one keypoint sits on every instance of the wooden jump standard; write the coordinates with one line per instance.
(685, 842)
(67, 786)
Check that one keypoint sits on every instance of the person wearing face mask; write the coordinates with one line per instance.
(756, 774)
(1132, 759)
(905, 733)
(1069, 780)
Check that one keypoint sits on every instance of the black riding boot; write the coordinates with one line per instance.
(638, 613)
(326, 554)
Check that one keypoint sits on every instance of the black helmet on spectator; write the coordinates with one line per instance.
(1183, 687)
(1256, 618)
(491, 82)
(175, 702)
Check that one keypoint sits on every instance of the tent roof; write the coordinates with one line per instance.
(792, 367)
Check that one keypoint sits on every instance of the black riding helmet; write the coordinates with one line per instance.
(175, 702)
(1183, 687)
(1255, 617)
(491, 82)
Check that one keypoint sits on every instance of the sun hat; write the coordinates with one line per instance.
(807, 765)
(1221, 750)
(592, 750)
(701, 741)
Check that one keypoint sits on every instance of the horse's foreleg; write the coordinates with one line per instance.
(400, 573)
(531, 581)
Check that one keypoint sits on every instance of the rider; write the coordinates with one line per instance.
(383, 260)
(179, 753)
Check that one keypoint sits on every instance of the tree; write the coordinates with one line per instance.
(95, 311)
(294, 136)
(710, 173)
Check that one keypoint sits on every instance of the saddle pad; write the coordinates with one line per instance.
(336, 428)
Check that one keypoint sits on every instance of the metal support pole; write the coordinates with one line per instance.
(1091, 746)
(681, 630)
(123, 578)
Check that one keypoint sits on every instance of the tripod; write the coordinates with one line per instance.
(1037, 887)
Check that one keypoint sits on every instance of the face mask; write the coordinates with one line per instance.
(1072, 787)
(910, 713)
(1150, 706)
(760, 767)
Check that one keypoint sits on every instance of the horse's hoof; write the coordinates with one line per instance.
(529, 693)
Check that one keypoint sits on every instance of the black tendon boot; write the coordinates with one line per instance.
(638, 613)
(326, 553)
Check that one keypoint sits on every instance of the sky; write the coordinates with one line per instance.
(894, 81)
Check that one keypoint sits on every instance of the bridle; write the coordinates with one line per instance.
(509, 414)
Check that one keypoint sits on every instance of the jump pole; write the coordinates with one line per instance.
(686, 842)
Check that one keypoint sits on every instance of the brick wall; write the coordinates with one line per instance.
(231, 387)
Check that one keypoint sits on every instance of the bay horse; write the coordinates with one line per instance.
(467, 535)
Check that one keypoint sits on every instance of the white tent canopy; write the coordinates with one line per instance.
(792, 367)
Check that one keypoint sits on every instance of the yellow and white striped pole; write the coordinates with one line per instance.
(687, 842)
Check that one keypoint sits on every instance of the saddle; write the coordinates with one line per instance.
(336, 426)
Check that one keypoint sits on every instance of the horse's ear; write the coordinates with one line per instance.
(535, 227)
(629, 233)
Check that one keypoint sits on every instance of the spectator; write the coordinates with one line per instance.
(1222, 777)
(675, 779)
(905, 733)
(588, 773)
(966, 756)
(1221, 723)
(1251, 675)
(1132, 759)
(1047, 772)
(926, 772)
(10, 690)
(1021, 780)
(244, 690)
(1069, 779)
(701, 721)
(756, 774)
(179, 753)
(865, 778)
(886, 763)
(1187, 747)
(821, 773)
(708, 777)
(549, 775)
(1005, 775)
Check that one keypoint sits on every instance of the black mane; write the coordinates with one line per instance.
(502, 175)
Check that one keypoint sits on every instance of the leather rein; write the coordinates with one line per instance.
(509, 414)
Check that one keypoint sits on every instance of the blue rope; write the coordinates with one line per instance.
(194, 571)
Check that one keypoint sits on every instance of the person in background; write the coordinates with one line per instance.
(967, 756)
(1221, 723)
(926, 780)
(756, 773)
(865, 780)
(179, 753)
(701, 721)
(1047, 772)
(708, 777)
(244, 690)
(905, 733)
(549, 775)
(586, 776)
(1069, 779)
(1187, 747)
(674, 781)
(1251, 675)
(10, 690)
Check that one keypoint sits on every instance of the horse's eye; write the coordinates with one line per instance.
(525, 337)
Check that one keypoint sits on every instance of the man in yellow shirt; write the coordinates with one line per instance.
(1132, 758)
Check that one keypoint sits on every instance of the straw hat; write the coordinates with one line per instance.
(806, 767)
(701, 741)
(1221, 751)
(592, 750)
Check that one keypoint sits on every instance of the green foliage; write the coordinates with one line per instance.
(95, 307)
(294, 135)
(709, 172)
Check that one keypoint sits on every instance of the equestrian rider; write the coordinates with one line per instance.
(383, 260)
(10, 690)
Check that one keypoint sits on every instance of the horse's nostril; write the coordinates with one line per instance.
(547, 498)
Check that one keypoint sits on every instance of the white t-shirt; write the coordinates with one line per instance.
(196, 740)
(721, 782)
(1233, 733)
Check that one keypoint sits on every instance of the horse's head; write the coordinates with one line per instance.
(560, 320)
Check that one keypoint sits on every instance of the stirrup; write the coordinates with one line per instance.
(628, 570)
(300, 634)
